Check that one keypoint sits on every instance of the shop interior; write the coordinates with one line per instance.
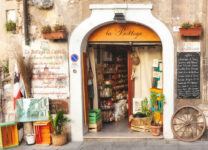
(108, 77)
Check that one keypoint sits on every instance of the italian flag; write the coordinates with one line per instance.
(19, 88)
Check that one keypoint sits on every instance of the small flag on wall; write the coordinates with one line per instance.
(19, 88)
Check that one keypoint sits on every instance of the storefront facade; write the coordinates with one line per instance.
(134, 13)
(58, 69)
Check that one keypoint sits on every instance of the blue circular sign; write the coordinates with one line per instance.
(74, 57)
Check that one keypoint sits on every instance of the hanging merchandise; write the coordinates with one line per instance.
(135, 61)
(90, 89)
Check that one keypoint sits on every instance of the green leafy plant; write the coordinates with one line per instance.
(145, 107)
(186, 25)
(58, 122)
(153, 100)
(5, 66)
(46, 29)
(10, 26)
(59, 27)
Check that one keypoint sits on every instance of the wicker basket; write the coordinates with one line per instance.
(141, 124)
(59, 140)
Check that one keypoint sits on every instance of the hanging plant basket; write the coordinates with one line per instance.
(195, 31)
(54, 35)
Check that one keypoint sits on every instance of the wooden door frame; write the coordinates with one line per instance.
(130, 87)
(85, 88)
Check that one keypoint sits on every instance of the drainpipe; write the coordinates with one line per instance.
(26, 25)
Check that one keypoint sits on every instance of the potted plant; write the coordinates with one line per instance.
(58, 123)
(157, 108)
(58, 32)
(141, 121)
(188, 29)
(10, 26)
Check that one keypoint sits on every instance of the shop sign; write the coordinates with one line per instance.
(188, 75)
(60, 104)
(50, 70)
(189, 47)
(124, 32)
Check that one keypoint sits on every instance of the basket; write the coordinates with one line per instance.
(59, 140)
(141, 124)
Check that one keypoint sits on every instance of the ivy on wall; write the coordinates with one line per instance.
(43, 4)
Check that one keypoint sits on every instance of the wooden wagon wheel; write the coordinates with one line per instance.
(188, 123)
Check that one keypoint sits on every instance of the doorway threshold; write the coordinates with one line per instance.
(119, 131)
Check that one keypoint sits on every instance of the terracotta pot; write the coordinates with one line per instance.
(58, 140)
(155, 130)
(191, 31)
(55, 35)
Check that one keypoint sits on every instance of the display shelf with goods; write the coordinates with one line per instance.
(114, 87)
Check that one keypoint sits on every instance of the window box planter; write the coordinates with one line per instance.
(196, 31)
(54, 35)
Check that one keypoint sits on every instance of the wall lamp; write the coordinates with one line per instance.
(119, 18)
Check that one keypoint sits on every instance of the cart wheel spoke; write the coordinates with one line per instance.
(180, 129)
(178, 123)
(188, 123)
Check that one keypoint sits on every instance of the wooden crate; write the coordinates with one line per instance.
(8, 135)
(141, 124)
(94, 116)
(43, 130)
(95, 127)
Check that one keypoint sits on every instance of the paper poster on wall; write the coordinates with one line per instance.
(31, 109)
(155, 63)
(50, 69)
(159, 86)
(136, 105)
(161, 67)
(189, 47)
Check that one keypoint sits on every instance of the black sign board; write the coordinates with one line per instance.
(188, 75)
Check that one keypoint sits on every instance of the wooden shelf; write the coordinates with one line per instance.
(108, 109)
(109, 72)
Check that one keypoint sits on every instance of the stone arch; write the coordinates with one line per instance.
(103, 15)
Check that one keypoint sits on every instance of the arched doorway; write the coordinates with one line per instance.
(78, 44)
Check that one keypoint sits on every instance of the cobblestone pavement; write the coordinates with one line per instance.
(122, 145)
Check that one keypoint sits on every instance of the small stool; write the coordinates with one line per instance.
(43, 130)
(8, 135)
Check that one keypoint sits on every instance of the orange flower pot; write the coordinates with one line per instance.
(155, 130)
(55, 35)
(191, 31)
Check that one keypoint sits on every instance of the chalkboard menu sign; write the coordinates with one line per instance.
(188, 75)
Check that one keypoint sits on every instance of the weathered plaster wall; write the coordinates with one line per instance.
(8, 45)
(73, 12)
